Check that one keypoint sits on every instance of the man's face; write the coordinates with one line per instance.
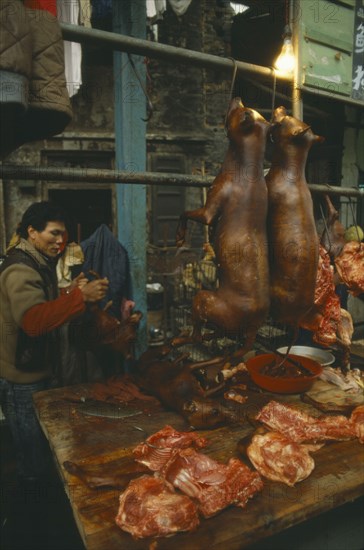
(48, 241)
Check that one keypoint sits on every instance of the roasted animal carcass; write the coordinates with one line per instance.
(103, 329)
(173, 382)
(236, 208)
(293, 241)
(98, 329)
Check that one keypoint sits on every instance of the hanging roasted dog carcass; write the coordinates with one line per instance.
(236, 209)
(293, 241)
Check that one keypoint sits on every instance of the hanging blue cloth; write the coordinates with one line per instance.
(106, 255)
(101, 8)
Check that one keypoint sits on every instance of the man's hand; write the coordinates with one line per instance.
(95, 290)
(80, 281)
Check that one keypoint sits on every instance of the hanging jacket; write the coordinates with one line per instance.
(104, 254)
(34, 100)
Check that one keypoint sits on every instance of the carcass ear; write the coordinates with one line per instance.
(279, 115)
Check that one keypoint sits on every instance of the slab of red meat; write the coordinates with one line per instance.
(280, 459)
(324, 278)
(161, 446)
(300, 427)
(215, 486)
(324, 318)
(149, 507)
(357, 417)
(350, 265)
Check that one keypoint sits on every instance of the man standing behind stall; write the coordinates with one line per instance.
(31, 311)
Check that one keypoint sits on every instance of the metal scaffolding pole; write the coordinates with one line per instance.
(104, 176)
(122, 43)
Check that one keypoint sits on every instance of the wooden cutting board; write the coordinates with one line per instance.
(330, 398)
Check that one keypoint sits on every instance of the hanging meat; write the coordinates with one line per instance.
(104, 329)
(330, 324)
(293, 241)
(350, 266)
(235, 209)
(333, 236)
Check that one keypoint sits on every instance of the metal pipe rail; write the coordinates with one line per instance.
(104, 176)
(123, 43)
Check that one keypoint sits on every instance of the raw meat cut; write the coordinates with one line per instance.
(350, 265)
(280, 459)
(300, 427)
(357, 417)
(159, 448)
(333, 236)
(215, 486)
(329, 323)
(149, 507)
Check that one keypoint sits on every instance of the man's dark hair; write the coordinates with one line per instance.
(38, 215)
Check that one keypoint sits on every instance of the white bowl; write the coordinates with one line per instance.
(323, 357)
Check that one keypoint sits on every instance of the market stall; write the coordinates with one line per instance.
(102, 448)
(93, 429)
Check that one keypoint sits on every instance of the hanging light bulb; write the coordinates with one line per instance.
(285, 62)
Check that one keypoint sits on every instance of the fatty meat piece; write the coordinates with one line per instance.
(160, 447)
(300, 427)
(149, 507)
(278, 458)
(215, 486)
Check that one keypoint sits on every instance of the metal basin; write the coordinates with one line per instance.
(322, 356)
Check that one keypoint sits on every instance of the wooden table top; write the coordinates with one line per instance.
(106, 444)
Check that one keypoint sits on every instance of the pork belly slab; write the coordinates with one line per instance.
(278, 458)
(160, 447)
(213, 485)
(149, 507)
(301, 427)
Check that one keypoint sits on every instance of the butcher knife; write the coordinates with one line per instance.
(107, 410)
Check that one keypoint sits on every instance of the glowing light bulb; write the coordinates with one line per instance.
(285, 62)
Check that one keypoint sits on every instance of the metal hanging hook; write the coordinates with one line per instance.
(235, 70)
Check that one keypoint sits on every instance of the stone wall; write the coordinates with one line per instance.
(188, 118)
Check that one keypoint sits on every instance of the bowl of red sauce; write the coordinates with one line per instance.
(275, 373)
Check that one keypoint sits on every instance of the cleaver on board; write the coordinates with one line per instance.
(93, 407)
